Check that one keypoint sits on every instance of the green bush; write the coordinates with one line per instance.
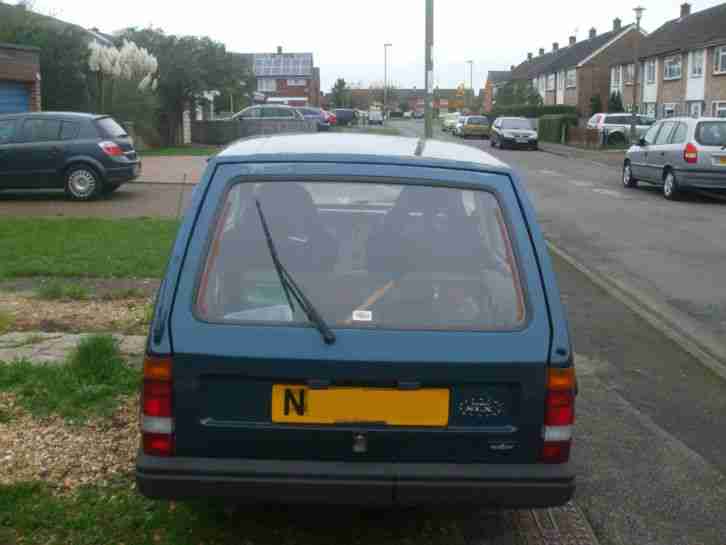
(551, 126)
(532, 111)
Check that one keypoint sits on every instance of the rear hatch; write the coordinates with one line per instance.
(388, 394)
(109, 129)
(711, 138)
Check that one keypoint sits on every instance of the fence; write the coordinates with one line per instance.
(223, 131)
(584, 137)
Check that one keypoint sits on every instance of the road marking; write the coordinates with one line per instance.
(610, 193)
(549, 172)
(578, 183)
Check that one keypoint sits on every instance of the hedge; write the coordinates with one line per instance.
(533, 111)
(551, 126)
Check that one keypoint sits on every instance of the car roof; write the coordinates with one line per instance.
(77, 115)
(363, 147)
(686, 118)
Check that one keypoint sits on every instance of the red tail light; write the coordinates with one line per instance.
(690, 153)
(112, 149)
(559, 415)
(157, 422)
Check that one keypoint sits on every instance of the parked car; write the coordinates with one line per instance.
(313, 113)
(679, 154)
(513, 132)
(332, 118)
(375, 117)
(408, 115)
(340, 338)
(617, 126)
(450, 121)
(87, 155)
(475, 125)
(345, 116)
(269, 111)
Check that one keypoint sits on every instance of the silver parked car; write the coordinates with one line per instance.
(617, 126)
(679, 153)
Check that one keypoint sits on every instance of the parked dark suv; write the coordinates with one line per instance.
(85, 154)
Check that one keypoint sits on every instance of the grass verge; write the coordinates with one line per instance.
(31, 514)
(123, 293)
(55, 290)
(88, 383)
(6, 321)
(85, 247)
(180, 150)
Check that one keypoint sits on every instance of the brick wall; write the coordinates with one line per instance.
(599, 70)
(672, 90)
(36, 104)
(18, 63)
(571, 98)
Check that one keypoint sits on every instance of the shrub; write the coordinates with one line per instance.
(551, 126)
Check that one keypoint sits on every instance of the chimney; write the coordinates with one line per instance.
(529, 56)
(573, 40)
(279, 50)
(511, 68)
(593, 33)
(685, 9)
(555, 47)
(617, 24)
(541, 51)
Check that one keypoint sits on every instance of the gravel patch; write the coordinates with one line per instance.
(63, 454)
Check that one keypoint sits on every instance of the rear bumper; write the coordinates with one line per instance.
(702, 179)
(355, 483)
(124, 173)
(512, 142)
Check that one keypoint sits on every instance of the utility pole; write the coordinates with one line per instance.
(633, 120)
(385, 78)
(428, 103)
(471, 83)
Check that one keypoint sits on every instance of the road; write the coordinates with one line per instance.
(650, 450)
(672, 252)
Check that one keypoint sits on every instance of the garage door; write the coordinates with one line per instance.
(14, 97)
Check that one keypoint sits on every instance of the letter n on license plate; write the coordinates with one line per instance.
(295, 404)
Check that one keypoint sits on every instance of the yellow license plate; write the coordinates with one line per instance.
(301, 405)
(722, 160)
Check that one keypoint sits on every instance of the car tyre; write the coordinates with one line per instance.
(671, 190)
(616, 139)
(82, 183)
(628, 179)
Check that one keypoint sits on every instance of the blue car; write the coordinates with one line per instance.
(358, 319)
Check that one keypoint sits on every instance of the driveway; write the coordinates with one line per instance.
(172, 169)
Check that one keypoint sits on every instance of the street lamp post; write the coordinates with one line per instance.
(429, 75)
(633, 119)
(471, 83)
(385, 77)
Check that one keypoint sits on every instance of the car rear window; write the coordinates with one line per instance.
(711, 133)
(7, 130)
(110, 128)
(478, 121)
(366, 255)
(521, 124)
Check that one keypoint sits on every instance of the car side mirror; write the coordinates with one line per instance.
(642, 143)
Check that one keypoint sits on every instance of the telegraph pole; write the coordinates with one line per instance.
(428, 103)
(385, 78)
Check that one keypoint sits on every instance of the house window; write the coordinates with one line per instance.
(561, 80)
(615, 76)
(650, 71)
(719, 65)
(673, 68)
(551, 82)
(571, 78)
(629, 73)
(695, 109)
(696, 64)
(296, 83)
(266, 85)
(719, 109)
(670, 109)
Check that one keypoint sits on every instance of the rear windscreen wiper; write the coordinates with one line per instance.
(290, 287)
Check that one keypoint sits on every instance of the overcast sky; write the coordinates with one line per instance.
(346, 37)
